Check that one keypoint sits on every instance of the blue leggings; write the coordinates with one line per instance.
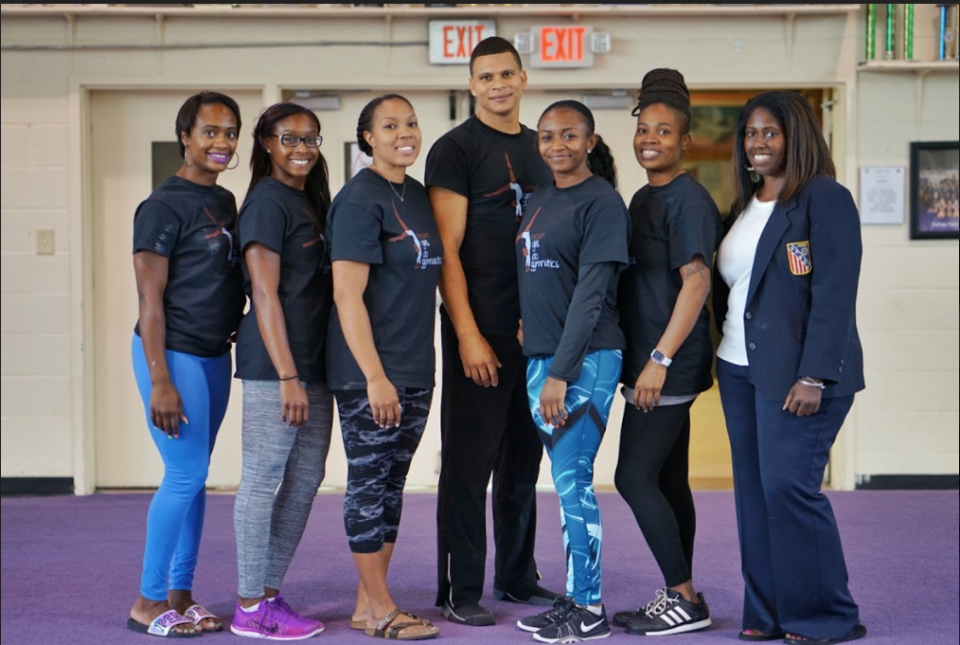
(573, 449)
(175, 518)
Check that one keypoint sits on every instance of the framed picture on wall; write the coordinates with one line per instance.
(355, 160)
(934, 169)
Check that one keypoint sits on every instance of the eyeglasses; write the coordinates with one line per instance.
(292, 140)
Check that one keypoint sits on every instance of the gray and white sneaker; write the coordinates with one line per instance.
(578, 625)
(559, 611)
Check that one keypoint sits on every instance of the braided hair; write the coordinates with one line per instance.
(600, 159)
(365, 122)
(665, 87)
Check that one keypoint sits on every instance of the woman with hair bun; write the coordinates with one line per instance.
(287, 408)
(662, 300)
(386, 255)
(571, 248)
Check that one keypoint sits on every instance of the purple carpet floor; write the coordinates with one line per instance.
(70, 567)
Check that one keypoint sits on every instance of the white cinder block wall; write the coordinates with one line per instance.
(35, 298)
(905, 423)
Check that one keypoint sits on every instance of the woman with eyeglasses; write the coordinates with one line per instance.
(287, 409)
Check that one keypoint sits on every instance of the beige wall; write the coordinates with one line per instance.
(904, 423)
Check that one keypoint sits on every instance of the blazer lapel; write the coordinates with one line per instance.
(769, 241)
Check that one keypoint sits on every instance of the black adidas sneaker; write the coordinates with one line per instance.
(621, 618)
(535, 623)
(672, 615)
(579, 624)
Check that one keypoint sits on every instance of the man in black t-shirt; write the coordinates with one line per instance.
(479, 176)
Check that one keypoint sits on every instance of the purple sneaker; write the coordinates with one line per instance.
(299, 619)
(272, 621)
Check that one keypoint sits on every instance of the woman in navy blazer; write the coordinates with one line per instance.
(788, 366)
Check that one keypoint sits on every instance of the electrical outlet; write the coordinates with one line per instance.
(45, 241)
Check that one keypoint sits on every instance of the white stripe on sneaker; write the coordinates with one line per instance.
(668, 619)
(681, 629)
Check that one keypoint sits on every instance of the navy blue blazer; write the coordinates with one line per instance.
(800, 316)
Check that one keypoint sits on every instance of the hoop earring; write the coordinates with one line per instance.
(754, 177)
(237, 154)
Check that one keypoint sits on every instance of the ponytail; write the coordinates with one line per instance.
(599, 159)
(600, 162)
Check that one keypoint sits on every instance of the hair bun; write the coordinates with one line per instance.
(664, 85)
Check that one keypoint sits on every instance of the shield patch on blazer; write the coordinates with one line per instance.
(798, 257)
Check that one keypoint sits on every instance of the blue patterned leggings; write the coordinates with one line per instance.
(573, 449)
(378, 460)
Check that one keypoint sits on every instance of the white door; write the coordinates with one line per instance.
(124, 125)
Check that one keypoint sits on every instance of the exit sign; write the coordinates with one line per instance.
(452, 41)
(563, 46)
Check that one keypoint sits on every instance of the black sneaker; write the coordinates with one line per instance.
(473, 615)
(535, 623)
(672, 615)
(621, 618)
(579, 624)
(537, 596)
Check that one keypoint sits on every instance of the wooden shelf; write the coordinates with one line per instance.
(909, 66)
(326, 11)
(920, 70)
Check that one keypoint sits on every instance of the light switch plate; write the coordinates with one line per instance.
(45, 241)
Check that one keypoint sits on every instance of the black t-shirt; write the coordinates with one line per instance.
(671, 225)
(282, 219)
(399, 240)
(496, 172)
(193, 227)
(562, 230)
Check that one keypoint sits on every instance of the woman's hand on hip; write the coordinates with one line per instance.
(384, 402)
(646, 393)
(551, 402)
(294, 403)
(803, 400)
(166, 408)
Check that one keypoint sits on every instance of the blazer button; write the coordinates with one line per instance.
(752, 345)
(840, 369)
(748, 315)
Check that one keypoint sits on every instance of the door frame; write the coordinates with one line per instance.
(80, 213)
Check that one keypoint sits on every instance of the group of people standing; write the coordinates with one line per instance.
(554, 293)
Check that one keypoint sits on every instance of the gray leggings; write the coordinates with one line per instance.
(282, 469)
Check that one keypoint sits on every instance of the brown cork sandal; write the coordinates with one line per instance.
(395, 631)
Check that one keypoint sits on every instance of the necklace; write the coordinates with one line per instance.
(402, 192)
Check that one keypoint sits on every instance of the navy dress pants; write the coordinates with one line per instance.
(792, 561)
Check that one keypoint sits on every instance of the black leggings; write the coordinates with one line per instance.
(378, 460)
(652, 477)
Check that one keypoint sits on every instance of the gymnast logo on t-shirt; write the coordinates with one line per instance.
(531, 249)
(215, 246)
(520, 196)
(317, 239)
(421, 242)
